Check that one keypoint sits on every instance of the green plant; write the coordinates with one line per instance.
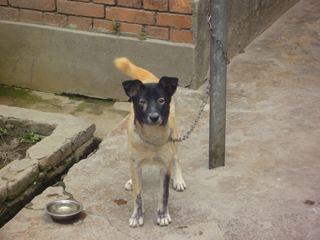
(32, 137)
(116, 26)
(143, 33)
(3, 131)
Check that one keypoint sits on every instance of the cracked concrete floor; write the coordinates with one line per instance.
(269, 188)
(97, 111)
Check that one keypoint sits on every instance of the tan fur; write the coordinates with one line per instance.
(165, 153)
(133, 71)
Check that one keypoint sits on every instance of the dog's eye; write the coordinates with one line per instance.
(161, 100)
(142, 101)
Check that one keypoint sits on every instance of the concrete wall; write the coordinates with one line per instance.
(60, 60)
(57, 59)
(247, 19)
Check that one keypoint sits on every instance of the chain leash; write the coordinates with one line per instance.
(204, 101)
(196, 120)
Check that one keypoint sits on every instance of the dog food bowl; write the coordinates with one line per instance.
(63, 209)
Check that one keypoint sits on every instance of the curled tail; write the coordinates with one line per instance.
(133, 71)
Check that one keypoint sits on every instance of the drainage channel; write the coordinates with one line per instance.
(55, 180)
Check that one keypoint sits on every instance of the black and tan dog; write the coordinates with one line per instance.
(151, 125)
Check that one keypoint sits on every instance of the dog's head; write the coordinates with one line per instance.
(151, 101)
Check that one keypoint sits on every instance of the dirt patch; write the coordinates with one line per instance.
(15, 138)
(120, 202)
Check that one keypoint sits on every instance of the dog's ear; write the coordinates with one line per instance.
(132, 87)
(169, 84)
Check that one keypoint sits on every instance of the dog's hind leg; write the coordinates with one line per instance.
(178, 181)
(136, 218)
(164, 218)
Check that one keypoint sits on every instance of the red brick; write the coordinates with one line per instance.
(81, 23)
(174, 20)
(157, 32)
(3, 2)
(130, 28)
(159, 5)
(54, 19)
(9, 13)
(80, 8)
(109, 2)
(104, 25)
(130, 15)
(44, 5)
(180, 6)
(130, 3)
(180, 36)
(30, 16)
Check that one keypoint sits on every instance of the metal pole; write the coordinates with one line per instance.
(218, 75)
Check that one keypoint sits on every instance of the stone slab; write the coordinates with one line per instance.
(3, 190)
(70, 133)
(21, 181)
(44, 160)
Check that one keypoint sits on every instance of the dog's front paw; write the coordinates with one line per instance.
(164, 218)
(179, 184)
(136, 220)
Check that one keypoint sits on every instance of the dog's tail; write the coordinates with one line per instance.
(133, 71)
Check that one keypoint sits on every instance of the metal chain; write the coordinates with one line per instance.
(196, 120)
(204, 101)
(216, 40)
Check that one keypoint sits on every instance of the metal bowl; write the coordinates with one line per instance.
(63, 209)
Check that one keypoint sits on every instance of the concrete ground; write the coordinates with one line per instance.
(269, 188)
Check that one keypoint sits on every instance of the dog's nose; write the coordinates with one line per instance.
(154, 117)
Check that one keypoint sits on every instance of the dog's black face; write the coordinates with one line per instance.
(151, 101)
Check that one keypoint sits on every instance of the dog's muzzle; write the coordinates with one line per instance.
(154, 118)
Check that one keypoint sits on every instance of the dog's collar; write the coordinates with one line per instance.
(151, 143)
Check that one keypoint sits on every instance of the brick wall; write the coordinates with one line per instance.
(161, 19)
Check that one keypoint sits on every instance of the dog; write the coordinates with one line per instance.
(151, 128)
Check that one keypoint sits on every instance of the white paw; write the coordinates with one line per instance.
(135, 221)
(179, 184)
(163, 219)
(128, 185)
